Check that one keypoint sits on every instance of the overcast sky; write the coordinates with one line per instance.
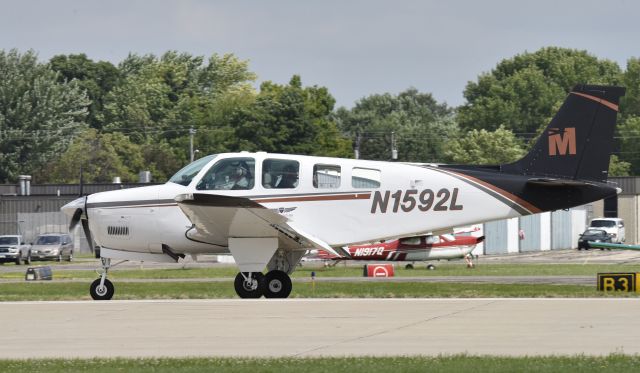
(354, 48)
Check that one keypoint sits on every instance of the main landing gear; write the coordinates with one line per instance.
(275, 284)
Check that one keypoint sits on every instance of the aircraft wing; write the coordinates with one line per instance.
(218, 217)
(617, 246)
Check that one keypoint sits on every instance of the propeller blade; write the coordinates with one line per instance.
(87, 233)
(75, 219)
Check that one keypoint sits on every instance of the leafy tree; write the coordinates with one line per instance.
(39, 115)
(523, 93)
(486, 148)
(97, 78)
(628, 134)
(630, 103)
(618, 167)
(421, 126)
(159, 99)
(101, 156)
(289, 119)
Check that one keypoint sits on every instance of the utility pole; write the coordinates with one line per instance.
(356, 147)
(191, 133)
(394, 146)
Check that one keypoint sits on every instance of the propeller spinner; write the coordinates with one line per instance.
(76, 209)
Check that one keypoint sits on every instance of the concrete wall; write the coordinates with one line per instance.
(547, 231)
(628, 210)
(597, 209)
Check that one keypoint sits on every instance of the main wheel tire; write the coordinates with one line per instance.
(408, 266)
(19, 259)
(101, 293)
(431, 267)
(253, 289)
(277, 285)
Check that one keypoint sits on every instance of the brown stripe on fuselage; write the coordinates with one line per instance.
(606, 103)
(502, 192)
(335, 197)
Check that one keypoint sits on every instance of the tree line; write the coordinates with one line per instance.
(71, 112)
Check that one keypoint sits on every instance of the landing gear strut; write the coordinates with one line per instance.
(102, 289)
(249, 284)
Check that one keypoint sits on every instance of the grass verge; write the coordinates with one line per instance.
(444, 269)
(454, 363)
(33, 291)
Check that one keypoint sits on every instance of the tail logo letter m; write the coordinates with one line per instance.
(562, 141)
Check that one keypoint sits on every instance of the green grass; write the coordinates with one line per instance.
(208, 290)
(443, 269)
(454, 363)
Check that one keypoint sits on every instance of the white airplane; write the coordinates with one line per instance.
(268, 209)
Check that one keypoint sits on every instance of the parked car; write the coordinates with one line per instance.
(52, 246)
(593, 235)
(613, 226)
(13, 249)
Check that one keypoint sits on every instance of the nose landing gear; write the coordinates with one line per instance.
(102, 289)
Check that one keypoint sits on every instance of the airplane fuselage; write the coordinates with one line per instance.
(362, 202)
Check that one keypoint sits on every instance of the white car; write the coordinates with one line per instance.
(613, 226)
(13, 249)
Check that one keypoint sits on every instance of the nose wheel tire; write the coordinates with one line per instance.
(277, 285)
(249, 288)
(104, 292)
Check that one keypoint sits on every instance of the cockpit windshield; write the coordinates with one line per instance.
(185, 175)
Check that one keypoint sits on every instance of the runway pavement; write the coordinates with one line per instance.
(319, 327)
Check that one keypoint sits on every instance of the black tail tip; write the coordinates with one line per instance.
(607, 93)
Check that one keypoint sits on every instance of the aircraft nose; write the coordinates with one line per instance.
(70, 208)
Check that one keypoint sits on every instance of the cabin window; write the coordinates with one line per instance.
(365, 178)
(413, 241)
(326, 176)
(280, 173)
(229, 174)
(433, 239)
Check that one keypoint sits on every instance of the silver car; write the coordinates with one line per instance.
(52, 246)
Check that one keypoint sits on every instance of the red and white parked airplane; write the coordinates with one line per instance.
(408, 249)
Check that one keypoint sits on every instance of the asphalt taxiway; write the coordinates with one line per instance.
(320, 327)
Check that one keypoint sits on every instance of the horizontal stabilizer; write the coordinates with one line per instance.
(558, 182)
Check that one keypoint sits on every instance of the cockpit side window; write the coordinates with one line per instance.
(229, 174)
(186, 174)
